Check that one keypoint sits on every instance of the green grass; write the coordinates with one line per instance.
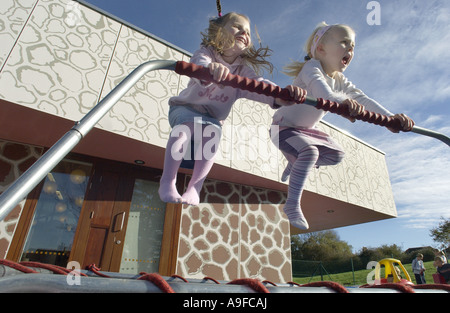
(346, 279)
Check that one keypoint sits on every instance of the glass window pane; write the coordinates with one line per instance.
(142, 244)
(56, 215)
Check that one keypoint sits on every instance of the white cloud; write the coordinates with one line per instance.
(419, 169)
(402, 61)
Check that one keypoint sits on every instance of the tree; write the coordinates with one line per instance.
(366, 255)
(391, 251)
(441, 233)
(319, 246)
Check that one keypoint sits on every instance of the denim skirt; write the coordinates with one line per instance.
(180, 114)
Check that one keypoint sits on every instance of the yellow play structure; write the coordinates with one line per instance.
(394, 272)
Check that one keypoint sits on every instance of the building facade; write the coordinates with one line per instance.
(100, 205)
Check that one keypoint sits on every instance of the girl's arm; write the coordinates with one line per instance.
(371, 105)
(312, 78)
(319, 87)
(203, 57)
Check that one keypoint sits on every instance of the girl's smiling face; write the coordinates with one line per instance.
(239, 28)
(337, 50)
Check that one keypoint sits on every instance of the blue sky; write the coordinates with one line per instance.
(402, 62)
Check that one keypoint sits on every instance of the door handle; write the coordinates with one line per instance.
(119, 219)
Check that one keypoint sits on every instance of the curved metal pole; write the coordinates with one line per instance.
(431, 133)
(33, 176)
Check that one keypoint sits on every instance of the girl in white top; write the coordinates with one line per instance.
(330, 49)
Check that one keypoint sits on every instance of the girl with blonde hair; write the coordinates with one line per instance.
(226, 48)
(329, 51)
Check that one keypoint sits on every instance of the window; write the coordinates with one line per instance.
(56, 215)
(142, 246)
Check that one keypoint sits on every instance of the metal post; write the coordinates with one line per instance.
(431, 133)
(33, 176)
(353, 271)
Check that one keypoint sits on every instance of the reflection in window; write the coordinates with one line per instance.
(144, 231)
(56, 215)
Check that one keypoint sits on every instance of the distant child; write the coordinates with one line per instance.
(330, 49)
(442, 268)
(441, 254)
(226, 48)
(419, 269)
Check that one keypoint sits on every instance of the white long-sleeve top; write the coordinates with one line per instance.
(214, 99)
(318, 84)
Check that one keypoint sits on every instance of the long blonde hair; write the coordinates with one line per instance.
(295, 67)
(216, 37)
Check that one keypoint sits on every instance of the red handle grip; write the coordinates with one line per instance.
(365, 116)
(236, 81)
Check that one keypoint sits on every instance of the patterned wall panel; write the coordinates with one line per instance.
(60, 60)
(356, 179)
(361, 178)
(209, 234)
(142, 113)
(236, 232)
(13, 15)
(14, 160)
(265, 236)
(252, 149)
(379, 184)
(330, 180)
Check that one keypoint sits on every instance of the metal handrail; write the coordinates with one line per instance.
(34, 175)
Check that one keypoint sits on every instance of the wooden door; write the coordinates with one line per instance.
(100, 234)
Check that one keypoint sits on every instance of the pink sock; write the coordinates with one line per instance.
(201, 169)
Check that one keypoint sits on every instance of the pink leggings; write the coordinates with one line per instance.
(181, 135)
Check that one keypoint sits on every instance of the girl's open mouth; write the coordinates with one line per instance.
(241, 39)
(346, 60)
